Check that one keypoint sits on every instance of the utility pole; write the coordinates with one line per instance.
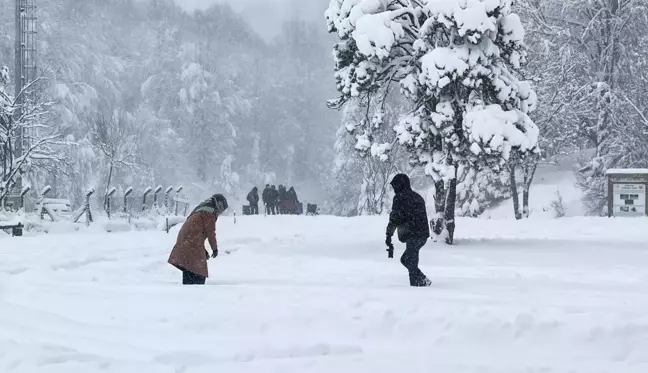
(25, 69)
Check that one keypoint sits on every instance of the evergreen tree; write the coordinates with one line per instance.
(455, 61)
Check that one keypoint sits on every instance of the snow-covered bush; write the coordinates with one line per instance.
(557, 205)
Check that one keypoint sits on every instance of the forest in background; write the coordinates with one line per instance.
(147, 94)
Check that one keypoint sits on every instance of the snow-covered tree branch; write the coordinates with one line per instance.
(27, 141)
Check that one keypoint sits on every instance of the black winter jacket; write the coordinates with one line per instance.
(266, 195)
(253, 197)
(409, 214)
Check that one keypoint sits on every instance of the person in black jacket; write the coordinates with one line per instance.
(291, 201)
(253, 198)
(265, 196)
(281, 209)
(409, 217)
(273, 197)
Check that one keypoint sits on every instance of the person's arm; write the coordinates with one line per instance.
(210, 232)
(395, 218)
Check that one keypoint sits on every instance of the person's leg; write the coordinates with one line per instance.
(410, 260)
(186, 277)
(190, 278)
(199, 280)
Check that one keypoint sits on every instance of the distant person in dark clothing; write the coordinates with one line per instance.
(253, 198)
(273, 198)
(409, 217)
(291, 201)
(265, 196)
(282, 199)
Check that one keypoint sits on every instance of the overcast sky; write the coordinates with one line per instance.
(266, 16)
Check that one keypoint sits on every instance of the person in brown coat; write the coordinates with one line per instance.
(189, 254)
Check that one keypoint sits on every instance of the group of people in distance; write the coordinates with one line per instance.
(276, 200)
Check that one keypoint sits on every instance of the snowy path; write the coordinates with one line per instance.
(319, 295)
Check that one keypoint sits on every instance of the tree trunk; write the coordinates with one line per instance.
(450, 210)
(439, 206)
(514, 193)
(529, 173)
(110, 173)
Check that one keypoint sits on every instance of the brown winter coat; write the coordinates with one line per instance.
(189, 250)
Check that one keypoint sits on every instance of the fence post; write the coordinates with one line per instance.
(23, 193)
(109, 199)
(167, 192)
(178, 191)
(87, 207)
(126, 194)
(146, 193)
(155, 195)
(44, 192)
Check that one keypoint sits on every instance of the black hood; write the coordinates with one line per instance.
(401, 183)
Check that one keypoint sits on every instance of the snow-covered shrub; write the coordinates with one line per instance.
(557, 205)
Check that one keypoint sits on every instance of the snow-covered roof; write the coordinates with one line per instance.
(627, 171)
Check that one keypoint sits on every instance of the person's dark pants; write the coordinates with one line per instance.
(190, 278)
(254, 209)
(271, 209)
(410, 260)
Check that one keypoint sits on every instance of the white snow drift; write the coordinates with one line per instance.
(300, 294)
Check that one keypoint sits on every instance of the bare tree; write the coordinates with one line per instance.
(27, 142)
(115, 137)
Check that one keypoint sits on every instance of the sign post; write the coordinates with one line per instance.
(627, 195)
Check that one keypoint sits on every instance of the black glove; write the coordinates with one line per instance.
(207, 254)
(215, 252)
(390, 247)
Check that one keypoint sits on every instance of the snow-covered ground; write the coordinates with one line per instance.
(318, 294)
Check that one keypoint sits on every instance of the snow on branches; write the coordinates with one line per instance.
(27, 142)
(451, 59)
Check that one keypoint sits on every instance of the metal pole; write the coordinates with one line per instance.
(18, 80)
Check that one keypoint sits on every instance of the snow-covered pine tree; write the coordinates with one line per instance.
(479, 189)
(453, 60)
